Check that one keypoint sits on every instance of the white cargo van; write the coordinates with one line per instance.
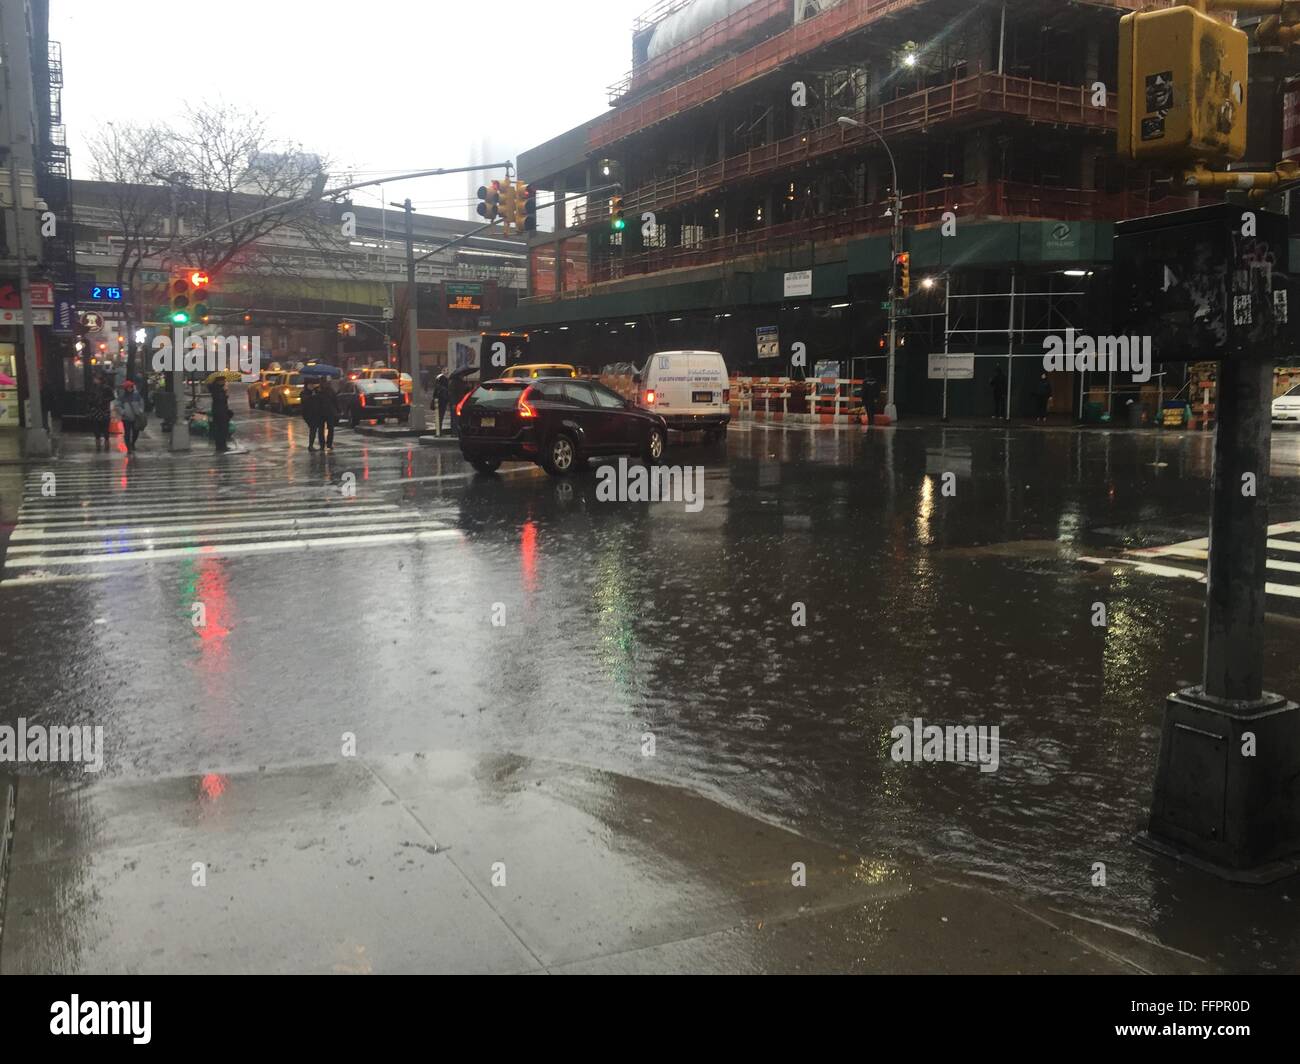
(688, 389)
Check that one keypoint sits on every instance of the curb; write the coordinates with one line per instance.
(8, 816)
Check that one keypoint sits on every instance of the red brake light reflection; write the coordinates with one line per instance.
(524, 409)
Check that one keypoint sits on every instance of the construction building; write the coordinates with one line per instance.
(752, 151)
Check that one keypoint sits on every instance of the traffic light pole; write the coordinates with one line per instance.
(417, 421)
(36, 440)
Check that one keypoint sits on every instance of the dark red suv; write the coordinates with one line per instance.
(556, 422)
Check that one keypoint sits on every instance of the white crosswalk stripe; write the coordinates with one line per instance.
(1187, 560)
(97, 522)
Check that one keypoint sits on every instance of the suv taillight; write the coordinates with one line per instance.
(650, 398)
(406, 398)
(524, 409)
(463, 400)
(361, 398)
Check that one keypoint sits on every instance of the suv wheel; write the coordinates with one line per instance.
(486, 465)
(561, 456)
(654, 446)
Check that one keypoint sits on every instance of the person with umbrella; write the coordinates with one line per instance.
(309, 407)
(329, 414)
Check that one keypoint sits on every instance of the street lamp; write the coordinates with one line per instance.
(895, 246)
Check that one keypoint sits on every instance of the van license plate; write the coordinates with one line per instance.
(488, 423)
(701, 397)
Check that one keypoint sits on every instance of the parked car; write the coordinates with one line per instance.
(287, 394)
(556, 422)
(372, 400)
(259, 391)
(1286, 407)
(533, 370)
(688, 389)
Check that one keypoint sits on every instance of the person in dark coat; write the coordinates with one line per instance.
(99, 407)
(870, 393)
(329, 414)
(440, 397)
(310, 409)
(457, 389)
(999, 386)
(219, 418)
(1042, 396)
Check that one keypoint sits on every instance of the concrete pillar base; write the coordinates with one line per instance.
(1215, 807)
(36, 443)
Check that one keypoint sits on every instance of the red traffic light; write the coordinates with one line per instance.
(198, 279)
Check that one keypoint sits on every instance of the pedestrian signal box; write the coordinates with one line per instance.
(1182, 88)
(1204, 285)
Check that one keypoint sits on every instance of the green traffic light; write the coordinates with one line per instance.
(619, 225)
(180, 318)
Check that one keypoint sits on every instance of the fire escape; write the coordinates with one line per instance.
(54, 178)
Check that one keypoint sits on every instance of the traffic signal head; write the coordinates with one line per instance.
(903, 274)
(527, 209)
(506, 205)
(198, 294)
(1182, 95)
(179, 310)
(616, 220)
(489, 201)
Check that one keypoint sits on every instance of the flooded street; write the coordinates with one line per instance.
(436, 610)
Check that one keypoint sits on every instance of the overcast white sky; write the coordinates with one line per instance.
(385, 86)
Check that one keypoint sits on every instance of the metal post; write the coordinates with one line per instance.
(947, 299)
(1011, 340)
(36, 440)
(180, 435)
(416, 420)
(896, 247)
(1238, 554)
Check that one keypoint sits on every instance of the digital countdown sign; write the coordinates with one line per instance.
(101, 293)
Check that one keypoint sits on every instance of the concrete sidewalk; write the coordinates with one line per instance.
(450, 862)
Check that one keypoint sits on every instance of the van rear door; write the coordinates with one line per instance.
(708, 379)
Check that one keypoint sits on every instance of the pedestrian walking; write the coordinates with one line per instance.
(219, 415)
(130, 411)
(999, 386)
(870, 393)
(1043, 397)
(329, 414)
(99, 408)
(309, 408)
(440, 396)
(457, 389)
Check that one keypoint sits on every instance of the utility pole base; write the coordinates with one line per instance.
(1231, 813)
(891, 412)
(417, 420)
(180, 437)
(36, 443)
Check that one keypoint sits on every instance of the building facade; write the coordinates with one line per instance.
(757, 148)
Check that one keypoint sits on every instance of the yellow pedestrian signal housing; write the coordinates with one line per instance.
(1182, 88)
(616, 221)
(179, 297)
(525, 208)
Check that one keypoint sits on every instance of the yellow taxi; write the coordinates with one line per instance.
(259, 391)
(539, 369)
(286, 394)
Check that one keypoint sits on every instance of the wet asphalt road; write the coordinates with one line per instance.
(373, 614)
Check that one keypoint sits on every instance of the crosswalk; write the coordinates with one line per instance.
(1187, 561)
(89, 522)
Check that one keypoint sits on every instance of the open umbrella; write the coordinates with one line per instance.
(321, 369)
(223, 375)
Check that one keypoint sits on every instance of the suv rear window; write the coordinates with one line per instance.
(498, 395)
(377, 384)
